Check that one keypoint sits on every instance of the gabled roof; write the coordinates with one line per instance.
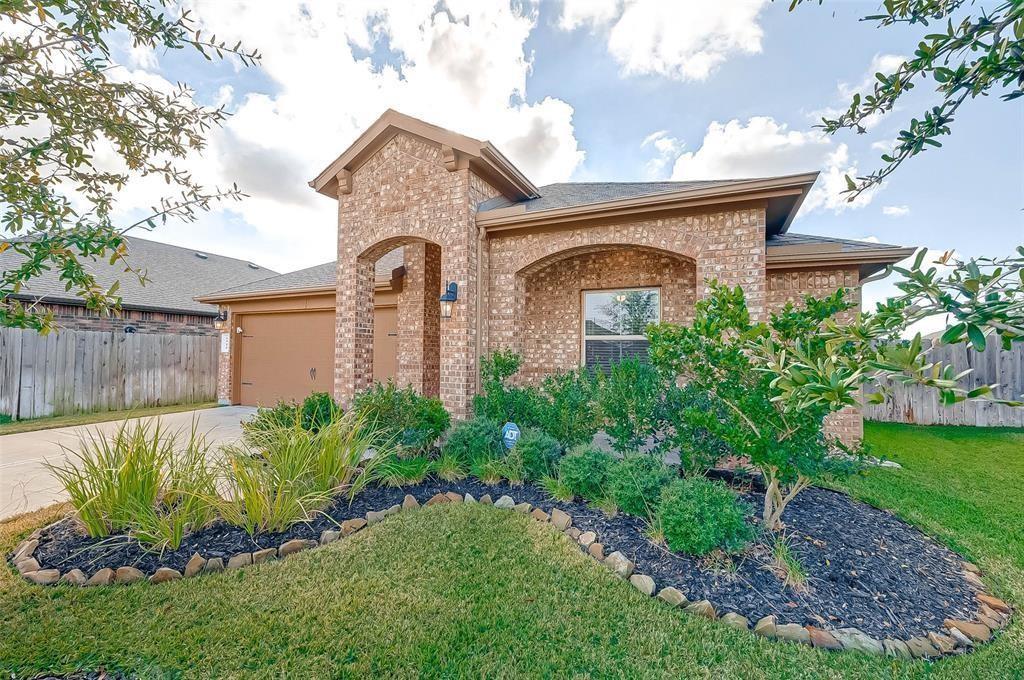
(575, 201)
(176, 276)
(322, 277)
(481, 156)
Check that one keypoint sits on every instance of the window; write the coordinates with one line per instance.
(614, 323)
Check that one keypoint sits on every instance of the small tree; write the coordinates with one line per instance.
(62, 99)
(777, 381)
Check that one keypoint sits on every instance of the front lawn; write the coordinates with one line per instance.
(469, 591)
(9, 426)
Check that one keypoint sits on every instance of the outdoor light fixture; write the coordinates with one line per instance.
(220, 321)
(448, 298)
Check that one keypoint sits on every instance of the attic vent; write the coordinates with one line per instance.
(253, 266)
(202, 256)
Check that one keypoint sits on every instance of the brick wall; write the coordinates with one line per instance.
(792, 286)
(553, 308)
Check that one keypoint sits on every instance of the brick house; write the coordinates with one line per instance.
(565, 274)
(164, 304)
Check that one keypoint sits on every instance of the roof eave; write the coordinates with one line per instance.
(516, 216)
(867, 262)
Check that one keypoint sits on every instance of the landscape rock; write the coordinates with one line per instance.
(539, 515)
(124, 575)
(393, 510)
(454, 497)
(991, 618)
(792, 632)
(994, 603)
(573, 533)
(299, 544)
(974, 580)
(852, 638)
(375, 516)
(27, 564)
(672, 596)
(410, 502)
(505, 503)
(195, 565)
(468, 498)
(978, 632)
(960, 639)
(735, 620)
(165, 574)
(643, 583)
(214, 564)
(265, 555)
(75, 577)
(586, 538)
(438, 499)
(596, 551)
(971, 567)
(943, 643)
(823, 639)
(329, 536)
(240, 560)
(766, 626)
(920, 648)
(25, 549)
(562, 520)
(896, 648)
(619, 564)
(351, 526)
(486, 499)
(701, 608)
(522, 508)
(43, 577)
(103, 577)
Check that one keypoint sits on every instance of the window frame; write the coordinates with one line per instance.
(614, 289)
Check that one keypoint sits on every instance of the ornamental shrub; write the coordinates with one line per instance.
(635, 483)
(585, 472)
(501, 401)
(401, 418)
(568, 406)
(631, 401)
(474, 440)
(318, 410)
(698, 515)
(539, 453)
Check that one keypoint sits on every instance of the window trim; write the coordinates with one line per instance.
(612, 289)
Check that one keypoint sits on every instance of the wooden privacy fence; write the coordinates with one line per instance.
(921, 406)
(76, 371)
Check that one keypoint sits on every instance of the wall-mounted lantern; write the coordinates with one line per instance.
(448, 298)
(220, 321)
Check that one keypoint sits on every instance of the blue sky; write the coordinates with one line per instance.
(571, 91)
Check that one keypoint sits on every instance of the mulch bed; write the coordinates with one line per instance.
(866, 568)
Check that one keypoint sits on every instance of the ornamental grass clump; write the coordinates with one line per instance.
(635, 483)
(145, 481)
(698, 516)
(398, 472)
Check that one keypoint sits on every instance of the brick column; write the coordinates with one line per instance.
(353, 338)
(419, 322)
(225, 360)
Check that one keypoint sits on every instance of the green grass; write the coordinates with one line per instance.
(8, 426)
(468, 591)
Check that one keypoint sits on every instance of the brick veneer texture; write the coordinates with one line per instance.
(76, 317)
(791, 286)
(401, 195)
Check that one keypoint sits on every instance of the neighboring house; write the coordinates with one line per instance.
(164, 304)
(566, 274)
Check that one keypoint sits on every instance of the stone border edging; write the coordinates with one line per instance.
(959, 636)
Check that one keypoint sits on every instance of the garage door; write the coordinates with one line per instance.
(286, 356)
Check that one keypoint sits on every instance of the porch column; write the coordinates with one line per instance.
(353, 338)
(458, 334)
(419, 323)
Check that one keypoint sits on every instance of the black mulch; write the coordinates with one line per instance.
(866, 568)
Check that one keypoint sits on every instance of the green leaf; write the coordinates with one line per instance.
(952, 334)
(976, 336)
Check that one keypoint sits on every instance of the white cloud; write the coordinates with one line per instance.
(762, 147)
(895, 210)
(679, 40)
(459, 64)
(667, 149)
(880, 63)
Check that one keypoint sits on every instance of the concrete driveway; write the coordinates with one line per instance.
(26, 485)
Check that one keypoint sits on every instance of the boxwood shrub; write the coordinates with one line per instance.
(698, 515)
(401, 418)
(635, 483)
(585, 472)
(539, 453)
(474, 440)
